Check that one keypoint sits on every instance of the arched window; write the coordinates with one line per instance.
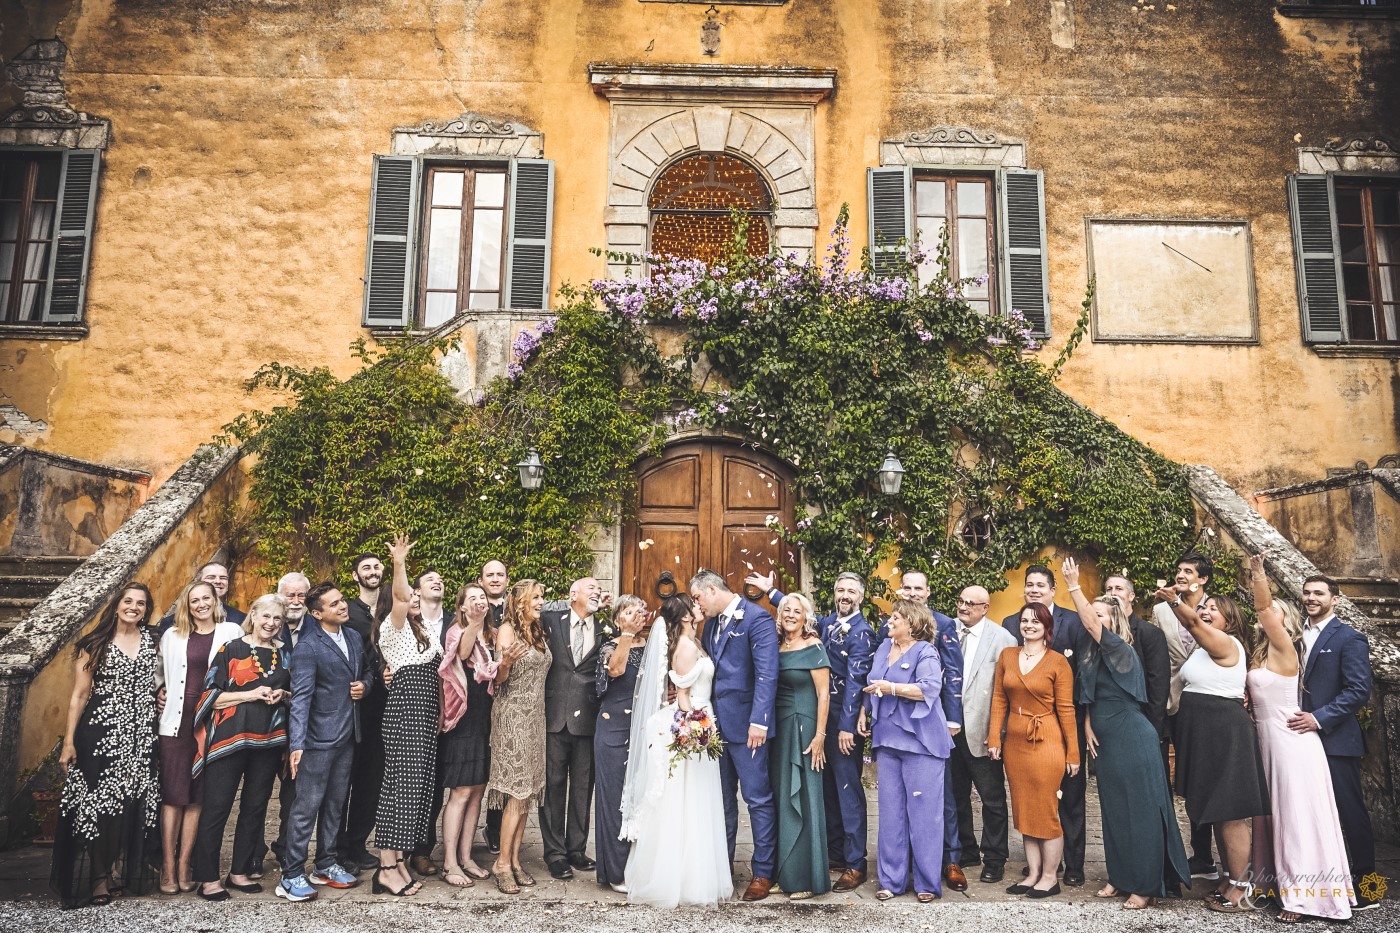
(691, 203)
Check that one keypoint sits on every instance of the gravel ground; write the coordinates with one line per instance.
(1076, 914)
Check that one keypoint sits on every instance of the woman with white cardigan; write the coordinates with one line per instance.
(186, 650)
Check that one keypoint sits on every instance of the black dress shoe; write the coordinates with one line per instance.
(560, 871)
(582, 863)
(967, 861)
(1074, 878)
(219, 895)
(991, 874)
(1039, 892)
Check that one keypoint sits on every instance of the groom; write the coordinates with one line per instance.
(742, 640)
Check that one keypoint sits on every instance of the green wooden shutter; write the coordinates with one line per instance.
(531, 222)
(1318, 260)
(72, 249)
(393, 236)
(1025, 273)
(888, 202)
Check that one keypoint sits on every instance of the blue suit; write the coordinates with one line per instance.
(324, 726)
(1070, 639)
(746, 686)
(1336, 685)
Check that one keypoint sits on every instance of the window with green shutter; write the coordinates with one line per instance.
(47, 202)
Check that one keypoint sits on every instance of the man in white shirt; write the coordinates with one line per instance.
(982, 643)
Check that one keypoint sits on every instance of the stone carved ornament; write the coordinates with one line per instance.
(951, 136)
(470, 124)
(38, 73)
(1361, 145)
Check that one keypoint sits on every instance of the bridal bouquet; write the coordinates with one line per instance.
(694, 734)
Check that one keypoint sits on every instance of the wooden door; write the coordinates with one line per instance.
(706, 504)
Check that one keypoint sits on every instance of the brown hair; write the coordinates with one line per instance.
(184, 621)
(1234, 621)
(919, 617)
(529, 630)
(96, 642)
(1043, 615)
(488, 631)
(675, 610)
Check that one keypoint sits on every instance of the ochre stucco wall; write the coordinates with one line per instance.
(231, 224)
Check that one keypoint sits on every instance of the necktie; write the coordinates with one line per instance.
(578, 641)
(963, 632)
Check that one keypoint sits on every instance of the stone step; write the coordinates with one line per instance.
(1384, 609)
(45, 565)
(13, 609)
(30, 584)
(1358, 588)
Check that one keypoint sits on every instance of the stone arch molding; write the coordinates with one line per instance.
(773, 142)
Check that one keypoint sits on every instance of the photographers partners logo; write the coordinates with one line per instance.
(1372, 887)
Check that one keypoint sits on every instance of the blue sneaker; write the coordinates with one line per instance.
(335, 877)
(295, 889)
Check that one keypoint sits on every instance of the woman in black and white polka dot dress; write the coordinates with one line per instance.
(411, 718)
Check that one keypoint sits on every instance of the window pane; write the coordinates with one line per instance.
(486, 249)
(439, 307)
(486, 300)
(1348, 206)
(1357, 282)
(447, 189)
(972, 253)
(1390, 283)
(1388, 244)
(983, 306)
(47, 184)
(36, 262)
(444, 248)
(490, 189)
(7, 264)
(1391, 313)
(41, 221)
(31, 300)
(9, 221)
(1361, 320)
(972, 198)
(1385, 205)
(1353, 243)
(13, 181)
(931, 197)
(929, 231)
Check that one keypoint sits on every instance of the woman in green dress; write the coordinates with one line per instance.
(797, 751)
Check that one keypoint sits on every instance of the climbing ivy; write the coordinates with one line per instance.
(823, 363)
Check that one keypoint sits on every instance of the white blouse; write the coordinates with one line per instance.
(400, 648)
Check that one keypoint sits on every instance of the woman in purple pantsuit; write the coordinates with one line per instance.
(909, 736)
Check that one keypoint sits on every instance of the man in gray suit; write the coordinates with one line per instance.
(570, 711)
(982, 643)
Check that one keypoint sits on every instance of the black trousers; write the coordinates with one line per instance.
(568, 795)
(366, 775)
(286, 798)
(1352, 814)
(1072, 803)
(988, 776)
(439, 794)
(255, 769)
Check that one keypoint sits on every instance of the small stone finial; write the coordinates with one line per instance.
(709, 32)
(38, 73)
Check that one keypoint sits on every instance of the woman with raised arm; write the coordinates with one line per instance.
(1218, 768)
(518, 727)
(619, 660)
(106, 834)
(1300, 857)
(412, 712)
(1033, 707)
(464, 751)
(1141, 840)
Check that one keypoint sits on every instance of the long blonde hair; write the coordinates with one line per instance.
(184, 622)
(809, 615)
(1292, 624)
(1117, 618)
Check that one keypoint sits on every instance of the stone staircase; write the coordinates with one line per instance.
(25, 581)
(1378, 597)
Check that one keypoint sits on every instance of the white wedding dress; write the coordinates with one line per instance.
(680, 855)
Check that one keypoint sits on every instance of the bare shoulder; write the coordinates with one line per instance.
(687, 649)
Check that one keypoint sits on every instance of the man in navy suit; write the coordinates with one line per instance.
(742, 640)
(1336, 685)
(850, 645)
(328, 680)
(1070, 640)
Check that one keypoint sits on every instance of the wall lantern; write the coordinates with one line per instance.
(890, 475)
(531, 471)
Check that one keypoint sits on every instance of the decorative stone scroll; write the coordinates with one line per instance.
(953, 145)
(471, 134)
(1361, 153)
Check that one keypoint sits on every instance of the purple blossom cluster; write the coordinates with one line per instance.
(526, 344)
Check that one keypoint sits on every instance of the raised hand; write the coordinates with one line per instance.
(1070, 569)
(1256, 564)
(399, 548)
(632, 619)
(760, 581)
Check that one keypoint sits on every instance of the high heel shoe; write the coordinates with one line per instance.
(376, 886)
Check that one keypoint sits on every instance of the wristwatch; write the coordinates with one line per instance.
(1174, 603)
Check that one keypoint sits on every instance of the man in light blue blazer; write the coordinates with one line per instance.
(328, 680)
(742, 640)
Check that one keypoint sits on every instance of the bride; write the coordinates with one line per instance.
(674, 816)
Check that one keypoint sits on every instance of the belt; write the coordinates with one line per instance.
(1032, 725)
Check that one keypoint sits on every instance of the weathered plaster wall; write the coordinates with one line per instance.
(231, 223)
(55, 506)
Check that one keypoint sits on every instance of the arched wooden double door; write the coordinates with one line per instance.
(706, 504)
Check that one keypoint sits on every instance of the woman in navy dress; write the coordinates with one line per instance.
(618, 662)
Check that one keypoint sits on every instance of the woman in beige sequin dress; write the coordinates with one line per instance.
(518, 727)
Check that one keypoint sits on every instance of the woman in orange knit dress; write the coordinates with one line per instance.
(1034, 687)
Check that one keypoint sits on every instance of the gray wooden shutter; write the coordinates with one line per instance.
(72, 249)
(1318, 260)
(531, 220)
(888, 202)
(393, 235)
(1025, 273)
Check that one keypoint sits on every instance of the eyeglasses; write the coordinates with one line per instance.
(968, 604)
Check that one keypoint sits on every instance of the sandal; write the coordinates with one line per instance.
(1106, 891)
(477, 872)
(925, 897)
(505, 883)
(1146, 903)
(884, 894)
(522, 877)
(454, 872)
(1223, 906)
(100, 900)
(1283, 916)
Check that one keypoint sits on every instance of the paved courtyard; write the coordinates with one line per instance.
(26, 904)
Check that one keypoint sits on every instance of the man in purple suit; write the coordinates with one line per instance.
(742, 640)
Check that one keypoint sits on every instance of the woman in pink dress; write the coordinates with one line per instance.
(1300, 858)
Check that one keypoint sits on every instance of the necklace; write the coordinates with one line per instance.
(264, 673)
(1027, 655)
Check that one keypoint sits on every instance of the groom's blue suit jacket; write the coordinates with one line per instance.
(746, 670)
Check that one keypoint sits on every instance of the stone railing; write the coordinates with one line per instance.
(1243, 528)
(180, 526)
